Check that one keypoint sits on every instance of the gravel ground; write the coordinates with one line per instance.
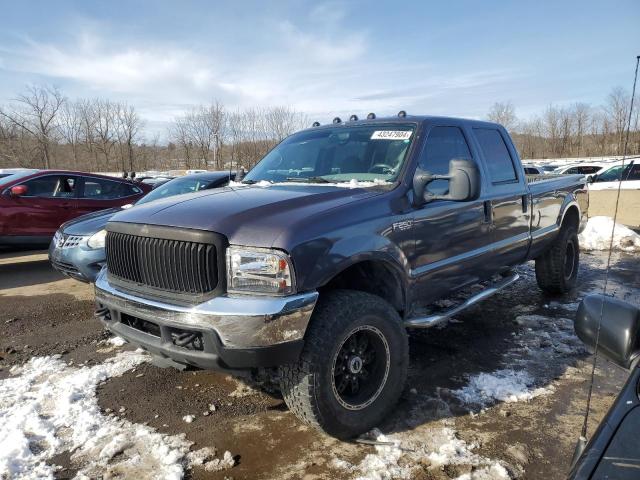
(447, 425)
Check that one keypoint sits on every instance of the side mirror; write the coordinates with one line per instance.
(619, 338)
(18, 190)
(464, 183)
(591, 178)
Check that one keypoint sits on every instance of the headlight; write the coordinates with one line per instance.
(56, 238)
(97, 239)
(259, 270)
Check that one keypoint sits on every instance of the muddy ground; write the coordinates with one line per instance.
(43, 313)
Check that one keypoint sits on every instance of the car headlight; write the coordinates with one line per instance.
(259, 270)
(56, 238)
(97, 239)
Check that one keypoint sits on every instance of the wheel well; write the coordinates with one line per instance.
(375, 277)
(571, 217)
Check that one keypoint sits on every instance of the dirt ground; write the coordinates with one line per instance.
(43, 313)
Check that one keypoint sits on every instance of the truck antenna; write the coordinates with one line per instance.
(582, 441)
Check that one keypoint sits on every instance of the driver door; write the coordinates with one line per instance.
(451, 238)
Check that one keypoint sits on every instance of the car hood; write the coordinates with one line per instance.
(247, 215)
(90, 223)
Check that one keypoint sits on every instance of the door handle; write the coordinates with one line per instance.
(525, 203)
(488, 212)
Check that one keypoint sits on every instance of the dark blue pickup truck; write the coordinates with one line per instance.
(339, 240)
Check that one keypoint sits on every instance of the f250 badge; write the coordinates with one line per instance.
(402, 226)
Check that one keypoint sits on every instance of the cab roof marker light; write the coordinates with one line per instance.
(353, 118)
(402, 114)
(337, 120)
(371, 116)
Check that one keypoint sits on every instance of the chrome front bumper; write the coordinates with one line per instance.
(240, 322)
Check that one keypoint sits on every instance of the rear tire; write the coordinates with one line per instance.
(353, 367)
(557, 268)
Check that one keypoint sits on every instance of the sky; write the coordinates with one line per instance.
(322, 58)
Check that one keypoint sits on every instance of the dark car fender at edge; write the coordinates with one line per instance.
(335, 258)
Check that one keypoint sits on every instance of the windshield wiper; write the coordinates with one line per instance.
(249, 182)
(308, 179)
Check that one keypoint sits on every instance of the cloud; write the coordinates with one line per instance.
(312, 63)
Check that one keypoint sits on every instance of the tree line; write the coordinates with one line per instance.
(42, 128)
(576, 130)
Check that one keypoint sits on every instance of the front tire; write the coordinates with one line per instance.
(353, 367)
(557, 268)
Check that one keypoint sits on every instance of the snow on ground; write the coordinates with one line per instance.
(597, 236)
(49, 407)
(117, 341)
(428, 439)
(505, 385)
(403, 455)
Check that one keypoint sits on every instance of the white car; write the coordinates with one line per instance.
(608, 178)
(533, 170)
(582, 169)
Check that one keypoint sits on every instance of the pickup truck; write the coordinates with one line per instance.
(337, 243)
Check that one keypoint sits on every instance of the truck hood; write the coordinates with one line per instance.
(247, 215)
(90, 223)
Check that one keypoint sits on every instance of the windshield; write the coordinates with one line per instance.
(10, 177)
(336, 155)
(176, 186)
(611, 175)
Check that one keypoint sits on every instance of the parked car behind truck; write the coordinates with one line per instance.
(77, 248)
(34, 203)
(337, 242)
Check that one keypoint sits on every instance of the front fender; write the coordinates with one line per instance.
(331, 258)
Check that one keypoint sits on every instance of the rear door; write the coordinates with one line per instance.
(50, 201)
(451, 238)
(97, 193)
(507, 203)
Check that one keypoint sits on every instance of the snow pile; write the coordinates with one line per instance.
(117, 341)
(453, 451)
(383, 464)
(405, 454)
(506, 385)
(597, 236)
(50, 407)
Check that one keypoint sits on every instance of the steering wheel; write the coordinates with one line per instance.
(382, 168)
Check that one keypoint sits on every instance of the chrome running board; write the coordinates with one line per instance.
(435, 319)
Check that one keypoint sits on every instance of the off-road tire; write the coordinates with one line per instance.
(552, 268)
(309, 386)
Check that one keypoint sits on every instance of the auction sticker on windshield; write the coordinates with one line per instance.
(391, 135)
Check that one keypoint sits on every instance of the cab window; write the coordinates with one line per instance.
(496, 154)
(443, 145)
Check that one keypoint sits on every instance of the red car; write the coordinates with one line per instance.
(34, 203)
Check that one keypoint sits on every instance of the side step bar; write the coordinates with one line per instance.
(435, 319)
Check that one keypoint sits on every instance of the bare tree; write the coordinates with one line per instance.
(283, 121)
(582, 117)
(128, 125)
(617, 109)
(180, 132)
(104, 118)
(71, 128)
(35, 112)
(503, 113)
